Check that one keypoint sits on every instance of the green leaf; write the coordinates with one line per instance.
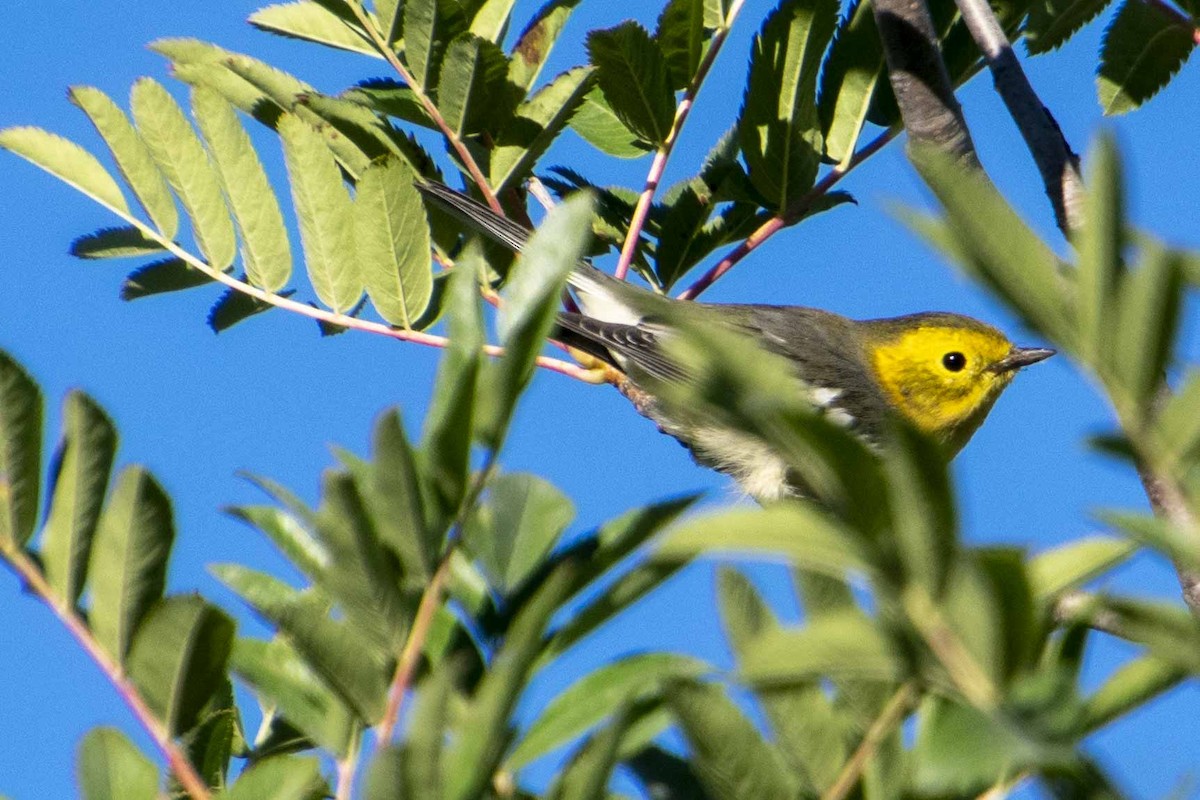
(533, 46)
(387, 15)
(450, 421)
(1101, 249)
(128, 566)
(853, 71)
(132, 156)
(801, 533)
(839, 643)
(428, 26)
(985, 235)
(1177, 425)
(394, 493)
(586, 775)
(287, 685)
(20, 453)
(125, 242)
(1142, 49)
(599, 125)
(177, 659)
(532, 294)
(186, 166)
(1129, 688)
(79, 478)
(392, 236)
(110, 767)
(217, 736)
(682, 37)
(426, 741)
(325, 215)
(596, 696)
(279, 778)
(312, 22)
(233, 307)
(1073, 564)
(925, 527)
(265, 250)
(68, 162)
(491, 20)
(780, 132)
(473, 90)
(1052, 22)
(535, 124)
(728, 753)
(633, 74)
(518, 523)
(1147, 316)
(167, 275)
(343, 656)
(477, 750)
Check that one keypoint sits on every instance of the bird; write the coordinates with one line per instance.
(941, 372)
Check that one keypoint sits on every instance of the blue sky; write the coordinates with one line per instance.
(271, 395)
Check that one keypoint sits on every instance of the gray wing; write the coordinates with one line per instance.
(621, 345)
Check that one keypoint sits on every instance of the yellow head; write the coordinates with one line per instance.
(943, 372)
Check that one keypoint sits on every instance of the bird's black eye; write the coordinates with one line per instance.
(954, 361)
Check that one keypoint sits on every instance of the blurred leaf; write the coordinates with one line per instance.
(535, 124)
(131, 155)
(1177, 425)
(217, 736)
(284, 682)
(126, 242)
(1170, 631)
(325, 215)
(518, 523)
(279, 778)
(1052, 22)
(633, 74)
(532, 295)
(1073, 564)
(779, 129)
(128, 566)
(596, 696)
(1129, 688)
(394, 493)
(20, 453)
(1147, 316)
(1143, 48)
(847, 643)
(177, 659)
(682, 37)
(449, 424)
(473, 90)
(600, 126)
(729, 755)
(346, 659)
(799, 532)
(79, 473)
(991, 241)
(586, 775)
(112, 768)
(66, 161)
(290, 535)
(312, 22)
(533, 46)
(850, 76)
(186, 166)
(168, 275)
(392, 236)
(925, 526)
(1101, 247)
(665, 776)
(266, 253)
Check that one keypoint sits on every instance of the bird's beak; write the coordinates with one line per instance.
(1021, 357)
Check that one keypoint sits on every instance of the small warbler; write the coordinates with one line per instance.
(940, 371)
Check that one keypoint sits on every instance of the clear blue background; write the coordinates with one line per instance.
(270, 395)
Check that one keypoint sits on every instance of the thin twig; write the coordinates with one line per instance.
(793, 214)
(177, 760)
(1004, 788)
(346, 768)
(659, 164)
(460, 147)
(893, 714)
(1057, 163)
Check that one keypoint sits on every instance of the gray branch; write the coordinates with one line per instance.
(919, 79)
(1058, 164)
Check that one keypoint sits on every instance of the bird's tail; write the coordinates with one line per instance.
(600, 295)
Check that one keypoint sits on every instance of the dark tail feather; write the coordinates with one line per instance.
(475, 214)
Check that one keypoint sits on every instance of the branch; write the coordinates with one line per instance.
(930, 111)
(659, 164)
(893, 714)
(1168, 503)
(456, 142)
(177, 759)
(1057, 163)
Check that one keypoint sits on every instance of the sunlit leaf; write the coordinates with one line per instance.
(112, 768)
(633, 74)
(66, 161)
(846, 644)
(279, 778)
(20, 452)
(852, 72)
(599, 125)
(126, 242)
(1143, 48)
(312, 22)
(683, 39)
(534, 44)
(428, 26)
(1075, 563)
(535, 125)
